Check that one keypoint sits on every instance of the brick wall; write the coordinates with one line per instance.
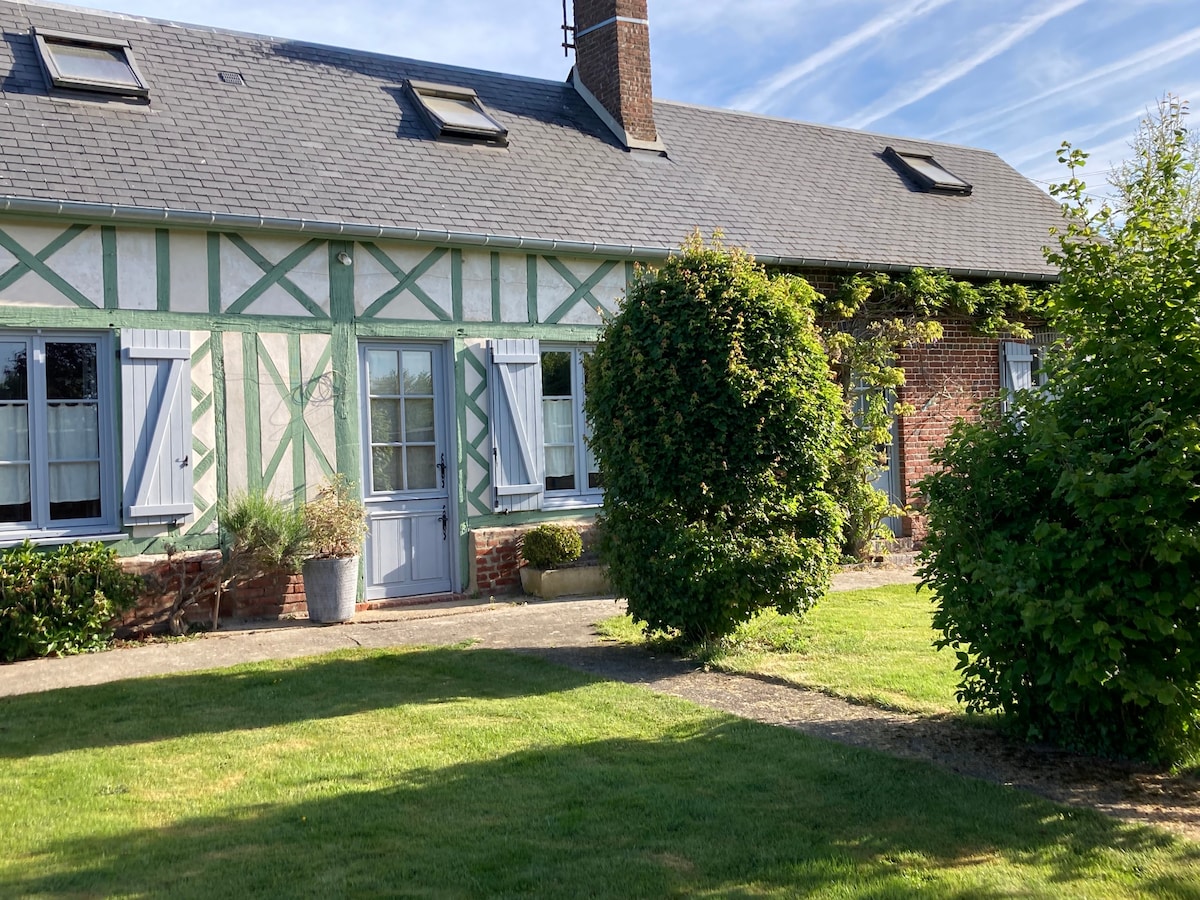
(269, 597)
(945, 381)
(613, 62)
(495, 562)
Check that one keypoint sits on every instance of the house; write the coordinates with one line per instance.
(233, 262)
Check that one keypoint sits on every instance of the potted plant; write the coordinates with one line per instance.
(551, 553)
(335, 522)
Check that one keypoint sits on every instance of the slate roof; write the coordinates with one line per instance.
(331, 136)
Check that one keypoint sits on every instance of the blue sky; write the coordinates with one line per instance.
(1014, 76)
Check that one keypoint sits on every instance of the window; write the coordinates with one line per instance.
(55, 449)
(927, 171)
(83, 63)
(456, 112)
(571, 470)
(540, 457)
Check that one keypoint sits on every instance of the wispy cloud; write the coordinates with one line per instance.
(760, 96)
(935, 81)
(1132, 66)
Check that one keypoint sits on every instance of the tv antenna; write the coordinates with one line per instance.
(568, 33)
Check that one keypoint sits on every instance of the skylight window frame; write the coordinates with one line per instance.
(496, 134)
(953, 184)
(45, 41)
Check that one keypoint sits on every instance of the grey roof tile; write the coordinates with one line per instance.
(322, 133)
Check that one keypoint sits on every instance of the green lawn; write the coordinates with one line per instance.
(872, 646)
(456, 772)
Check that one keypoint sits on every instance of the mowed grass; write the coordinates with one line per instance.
(870, 646)
(456, 772)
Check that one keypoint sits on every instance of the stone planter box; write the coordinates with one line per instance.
(578, 581)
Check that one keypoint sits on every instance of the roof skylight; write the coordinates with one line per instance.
(454, 111)
(84, 63)
(927, 171)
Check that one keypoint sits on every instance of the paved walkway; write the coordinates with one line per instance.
(535, 626)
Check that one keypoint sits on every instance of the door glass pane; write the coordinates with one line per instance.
(73, 431)
(14, 384)
(418, 372)
(422, 472)
(385, 421)
(386, 472)
(383, 372)
(418, 421)
(71, 371)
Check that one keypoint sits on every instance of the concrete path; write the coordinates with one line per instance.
(512, 625)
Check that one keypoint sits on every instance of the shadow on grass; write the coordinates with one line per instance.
(258, 695)
(720, 807)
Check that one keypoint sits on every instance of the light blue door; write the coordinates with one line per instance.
(407, 477)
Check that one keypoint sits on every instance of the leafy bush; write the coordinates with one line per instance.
(61, 601)
(714, 424)
(551, 545)
(335, 520)
(1064, 539)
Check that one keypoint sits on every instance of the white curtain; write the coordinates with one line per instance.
(74, 434)
(14, 446)
(70, 482)
(14, 431)
(74, 431)
(558, 418)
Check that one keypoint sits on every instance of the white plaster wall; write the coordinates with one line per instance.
(189, 272)
(275, 416)
(205, 427)
(79, 263)
(137, 269)
(477, 286)
(372, 281)
(319, 412)
(514, 289)
(235, 412)
(553, 290)
(239, 273)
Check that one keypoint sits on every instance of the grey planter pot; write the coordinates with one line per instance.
(331, 589)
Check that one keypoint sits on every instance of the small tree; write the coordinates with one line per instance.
(714, 424)
(1065, 539)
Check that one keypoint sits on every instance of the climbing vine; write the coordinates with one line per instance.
(866, 323)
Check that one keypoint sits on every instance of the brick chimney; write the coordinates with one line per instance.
(612, 67)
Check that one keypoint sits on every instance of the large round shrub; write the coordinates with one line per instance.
(714, 423)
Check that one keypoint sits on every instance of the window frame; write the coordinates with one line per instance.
(497, 134)
(46, 40)
(952, 184)
(582, 495)
(41, 527)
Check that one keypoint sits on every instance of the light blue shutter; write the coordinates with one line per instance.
(156, 401)
(1016, 369)
(518, 463)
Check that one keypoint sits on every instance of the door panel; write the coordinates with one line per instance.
(406, 477)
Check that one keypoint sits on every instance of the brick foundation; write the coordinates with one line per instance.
(495, 561)
(268, 597)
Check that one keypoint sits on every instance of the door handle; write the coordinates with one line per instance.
(445, 520)
(442, 469)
